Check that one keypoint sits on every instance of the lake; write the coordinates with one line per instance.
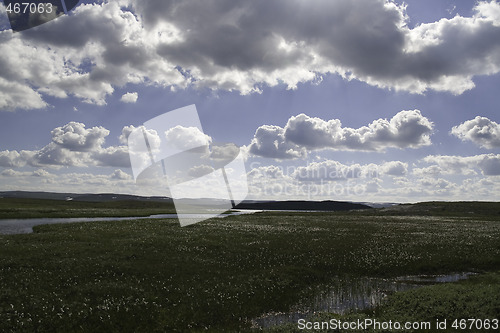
(25, 226)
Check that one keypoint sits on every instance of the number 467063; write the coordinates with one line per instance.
(29, 8)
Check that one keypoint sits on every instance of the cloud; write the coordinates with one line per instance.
(130, 97)
(432, 171)
(263, 172)
(13, 159)
(114, 156)
(327, 171)
(42, 180)
(17, 95)
(39, 173)
(243, 46)
(373, 186)
(84, 55)
(42, 173)
(381, 182)
(480, 130)
(72, 145)
(488, 164)
(14, 173)
(120, 175)
(56, 155)
(407, 129)
(269, 141)
(330, 170)
(184, 138)
(123, 138)
(438, 185)
(200, 170)
(224, 152)
(394, 168)
(75, 137)
(333, 180)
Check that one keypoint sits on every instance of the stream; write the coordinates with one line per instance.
(25, 226)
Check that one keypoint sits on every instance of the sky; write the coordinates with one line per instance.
(368, 100)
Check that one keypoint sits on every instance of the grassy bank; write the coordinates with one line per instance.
(20, 208)
(152, 275)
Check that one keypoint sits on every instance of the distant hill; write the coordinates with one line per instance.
(264, 205)
(302, 205)
(452, 208)
(102, 197)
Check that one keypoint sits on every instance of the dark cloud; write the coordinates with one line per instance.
(115, 156)
(244, 46)
(490, 165)
(56, 155)
(269, 141)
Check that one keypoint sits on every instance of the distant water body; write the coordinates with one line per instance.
(25, 226)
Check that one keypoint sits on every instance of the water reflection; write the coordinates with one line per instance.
(347, 294)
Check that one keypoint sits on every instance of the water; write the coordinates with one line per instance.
(25, 226)
(346, 295)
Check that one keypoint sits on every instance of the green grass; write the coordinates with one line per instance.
(13, 208)
(152, 275)
(477, 298)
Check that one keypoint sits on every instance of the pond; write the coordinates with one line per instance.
(25, 226)
(346, 294)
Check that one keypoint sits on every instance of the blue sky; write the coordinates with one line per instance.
(366, 100)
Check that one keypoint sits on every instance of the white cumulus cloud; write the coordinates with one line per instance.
(130, 97)
(480, 130)
(487, 164)
(72, 145)
(407, 129)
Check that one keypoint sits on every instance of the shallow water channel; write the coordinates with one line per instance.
(25, 226)
(345, 295)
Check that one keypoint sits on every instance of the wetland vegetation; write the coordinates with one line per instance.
(154, 276)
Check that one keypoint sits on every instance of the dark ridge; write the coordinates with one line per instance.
(303, 205)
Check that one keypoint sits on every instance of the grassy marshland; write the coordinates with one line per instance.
(154, 276)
